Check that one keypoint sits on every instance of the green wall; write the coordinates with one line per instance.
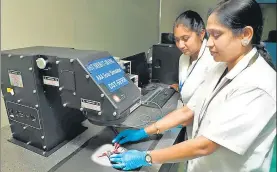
(122, 27)
(172, 8)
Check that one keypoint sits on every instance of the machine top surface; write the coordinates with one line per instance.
(62, 52)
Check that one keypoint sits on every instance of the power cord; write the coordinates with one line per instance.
(161, 110)
(144, 122)
(149, 118)
(151, 88)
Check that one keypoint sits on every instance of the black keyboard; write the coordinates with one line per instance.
(149, 88)
(144, 91)
(160, 98)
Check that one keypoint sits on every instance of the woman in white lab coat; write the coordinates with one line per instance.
(196, 60)
(234, 110)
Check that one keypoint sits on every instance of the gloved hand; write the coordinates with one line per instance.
(129, 160)
(130, 135)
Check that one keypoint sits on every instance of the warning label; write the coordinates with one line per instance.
(15, 78)
(90, 104)
(48, 80)
(135, 106)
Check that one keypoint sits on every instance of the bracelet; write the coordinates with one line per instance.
(158, 130)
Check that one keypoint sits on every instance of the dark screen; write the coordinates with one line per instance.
(139, 67)
(165, 63)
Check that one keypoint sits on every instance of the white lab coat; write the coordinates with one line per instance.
(241, 118)
(193, 75)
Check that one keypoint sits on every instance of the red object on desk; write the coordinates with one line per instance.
(116, 146)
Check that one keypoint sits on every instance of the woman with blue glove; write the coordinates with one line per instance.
(234, 110)
(196, 60)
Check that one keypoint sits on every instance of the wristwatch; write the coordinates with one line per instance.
(148, 157)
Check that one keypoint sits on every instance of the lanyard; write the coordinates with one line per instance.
(200, 119)
(181, 84)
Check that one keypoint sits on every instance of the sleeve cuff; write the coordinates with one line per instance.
(190, 106)
(225, 143)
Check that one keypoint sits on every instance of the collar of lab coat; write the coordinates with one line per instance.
(202, 49)
(241, 65)
(185, 62)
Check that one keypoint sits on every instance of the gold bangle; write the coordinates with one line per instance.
(158, 130)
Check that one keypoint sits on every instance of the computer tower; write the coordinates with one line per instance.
(38, 120)
(165, 63)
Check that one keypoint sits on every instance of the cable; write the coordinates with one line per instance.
(144, 122)
(151, 88)
(147, 102)
(149, 120)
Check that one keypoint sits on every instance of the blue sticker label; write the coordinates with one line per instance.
(108, 72)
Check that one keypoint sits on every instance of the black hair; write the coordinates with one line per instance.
(237, 14)
(191, 20)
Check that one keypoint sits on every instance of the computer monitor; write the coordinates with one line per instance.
(167, 38)
(139, 67)
(165, 63)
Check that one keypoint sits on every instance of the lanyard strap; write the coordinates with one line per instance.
(181, 84)
(200, 120)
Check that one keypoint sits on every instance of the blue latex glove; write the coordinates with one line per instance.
(130, 135)
(129, 160)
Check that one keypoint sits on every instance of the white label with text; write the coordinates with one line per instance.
(48, 80)
(90, 104)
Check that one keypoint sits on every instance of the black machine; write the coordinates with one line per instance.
(139, 67)
(49, 91)
(165, 63)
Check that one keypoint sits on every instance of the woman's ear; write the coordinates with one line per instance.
(202, 34)
(247, 35)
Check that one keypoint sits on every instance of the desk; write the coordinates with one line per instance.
(75, 155)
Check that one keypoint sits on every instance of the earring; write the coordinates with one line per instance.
(244, 42)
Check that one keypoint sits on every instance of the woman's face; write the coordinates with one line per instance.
(223, 44)
(188, 41)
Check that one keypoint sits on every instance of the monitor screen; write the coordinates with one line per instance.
(165, 63)
(139, 67)
(108, 72)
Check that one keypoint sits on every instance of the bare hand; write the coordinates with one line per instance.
(175, 87)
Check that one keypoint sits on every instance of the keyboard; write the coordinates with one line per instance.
(149, 88)
(159, 97)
